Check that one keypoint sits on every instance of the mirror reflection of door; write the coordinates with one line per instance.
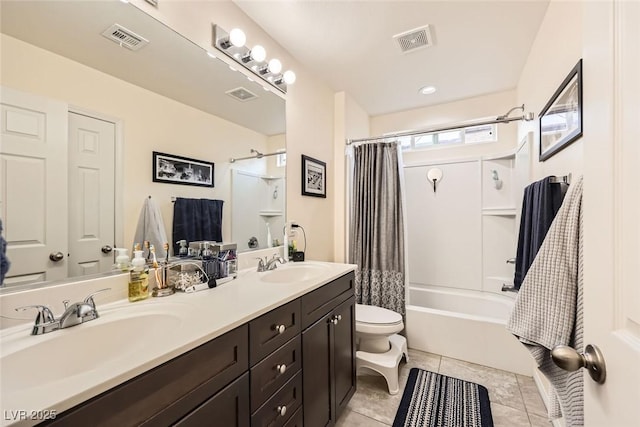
(91, 194)
(57, 192)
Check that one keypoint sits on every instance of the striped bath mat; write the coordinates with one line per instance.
(434, 400)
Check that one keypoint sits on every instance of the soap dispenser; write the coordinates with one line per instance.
(138, 278)
(122, 259)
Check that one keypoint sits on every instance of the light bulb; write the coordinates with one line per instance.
(275, 66)
(258, 53)
(237, 37)
(289, 77)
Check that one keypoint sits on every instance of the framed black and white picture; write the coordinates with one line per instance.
(560, 122)
(314, 177)
(182, 170)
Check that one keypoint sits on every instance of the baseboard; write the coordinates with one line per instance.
(543, 386)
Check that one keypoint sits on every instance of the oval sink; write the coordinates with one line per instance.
(292, 273)
(56, 356)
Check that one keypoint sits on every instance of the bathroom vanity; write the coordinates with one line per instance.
(278, 352)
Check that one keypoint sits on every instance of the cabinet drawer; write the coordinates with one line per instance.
(296, 419)
(277, 410)
(316, 304)
(271, 330)
(266, 376)
(166, 393)
(230, 407)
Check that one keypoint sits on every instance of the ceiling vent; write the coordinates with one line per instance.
(241, 94)
(415, 39)
(125, 37)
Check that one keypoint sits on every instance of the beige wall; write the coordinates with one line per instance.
(480, 107)
(309, 110)
(150, 122)
(351, 122)
(556, 49)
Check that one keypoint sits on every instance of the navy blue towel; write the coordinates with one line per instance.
(4, 261)
(196, 219)
(541, 202)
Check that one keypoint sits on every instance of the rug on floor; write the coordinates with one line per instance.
(434, 400)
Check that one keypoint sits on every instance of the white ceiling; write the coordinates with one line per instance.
(169, 65)
(480, 46)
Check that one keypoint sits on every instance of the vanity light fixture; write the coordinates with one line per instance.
(254, 59)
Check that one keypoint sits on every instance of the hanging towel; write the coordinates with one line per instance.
(151, 228)
(548, 308)
(197, 219)
(4, 261)
(540, 203)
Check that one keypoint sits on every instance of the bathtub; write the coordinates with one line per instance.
(465, 325)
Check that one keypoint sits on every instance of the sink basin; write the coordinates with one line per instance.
(29, 361)
(292, 273)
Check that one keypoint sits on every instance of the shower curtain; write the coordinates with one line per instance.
(376, 232)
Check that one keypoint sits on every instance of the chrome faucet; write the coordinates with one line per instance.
(74, 314)
(264, 265)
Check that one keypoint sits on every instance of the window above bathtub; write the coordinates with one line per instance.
(459, 136)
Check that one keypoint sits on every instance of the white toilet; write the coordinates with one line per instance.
(380, 348)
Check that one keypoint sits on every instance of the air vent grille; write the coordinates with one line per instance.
(125, 37)
(241, 94)
(415, 39)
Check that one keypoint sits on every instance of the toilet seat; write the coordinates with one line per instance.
(377, 320)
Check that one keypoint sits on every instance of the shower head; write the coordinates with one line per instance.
(258, 154)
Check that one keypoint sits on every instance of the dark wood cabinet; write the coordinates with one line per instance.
(328, 357)
(230, 407)
(291, 367)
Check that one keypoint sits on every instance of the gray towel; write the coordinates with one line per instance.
(548, 308)
(151, 228)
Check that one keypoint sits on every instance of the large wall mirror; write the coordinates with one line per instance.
(67, 88)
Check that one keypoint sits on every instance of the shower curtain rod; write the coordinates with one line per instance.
(500, 119)
(257, 155)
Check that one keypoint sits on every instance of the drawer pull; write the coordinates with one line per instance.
(282, 410)
(281, 368)
(335, 319)
(279, 328)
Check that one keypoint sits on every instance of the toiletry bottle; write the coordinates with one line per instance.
(122, 259)
(138, 279)
(269, 236)
(183, 251)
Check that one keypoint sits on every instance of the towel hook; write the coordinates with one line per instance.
(434, 175)
(497, 182)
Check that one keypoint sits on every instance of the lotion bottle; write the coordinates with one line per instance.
(138, 279)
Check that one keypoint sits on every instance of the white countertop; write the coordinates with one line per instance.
(194, 319)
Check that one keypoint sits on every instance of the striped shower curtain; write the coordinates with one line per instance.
(376, 229)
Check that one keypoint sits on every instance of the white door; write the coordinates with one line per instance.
(612, 208)
(33, 186)
(91, 194)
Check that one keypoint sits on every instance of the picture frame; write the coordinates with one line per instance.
(314, 177)
(172, 169)
(560, 121)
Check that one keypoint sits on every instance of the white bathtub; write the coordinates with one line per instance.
(465, 325)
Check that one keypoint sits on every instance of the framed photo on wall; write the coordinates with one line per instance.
(560, 122)
(314, 177)
(173, 169)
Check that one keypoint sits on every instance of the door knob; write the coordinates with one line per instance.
(56, 256)
(570, 360)
(106, 249)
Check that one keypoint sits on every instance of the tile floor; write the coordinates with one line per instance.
(515, 401)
